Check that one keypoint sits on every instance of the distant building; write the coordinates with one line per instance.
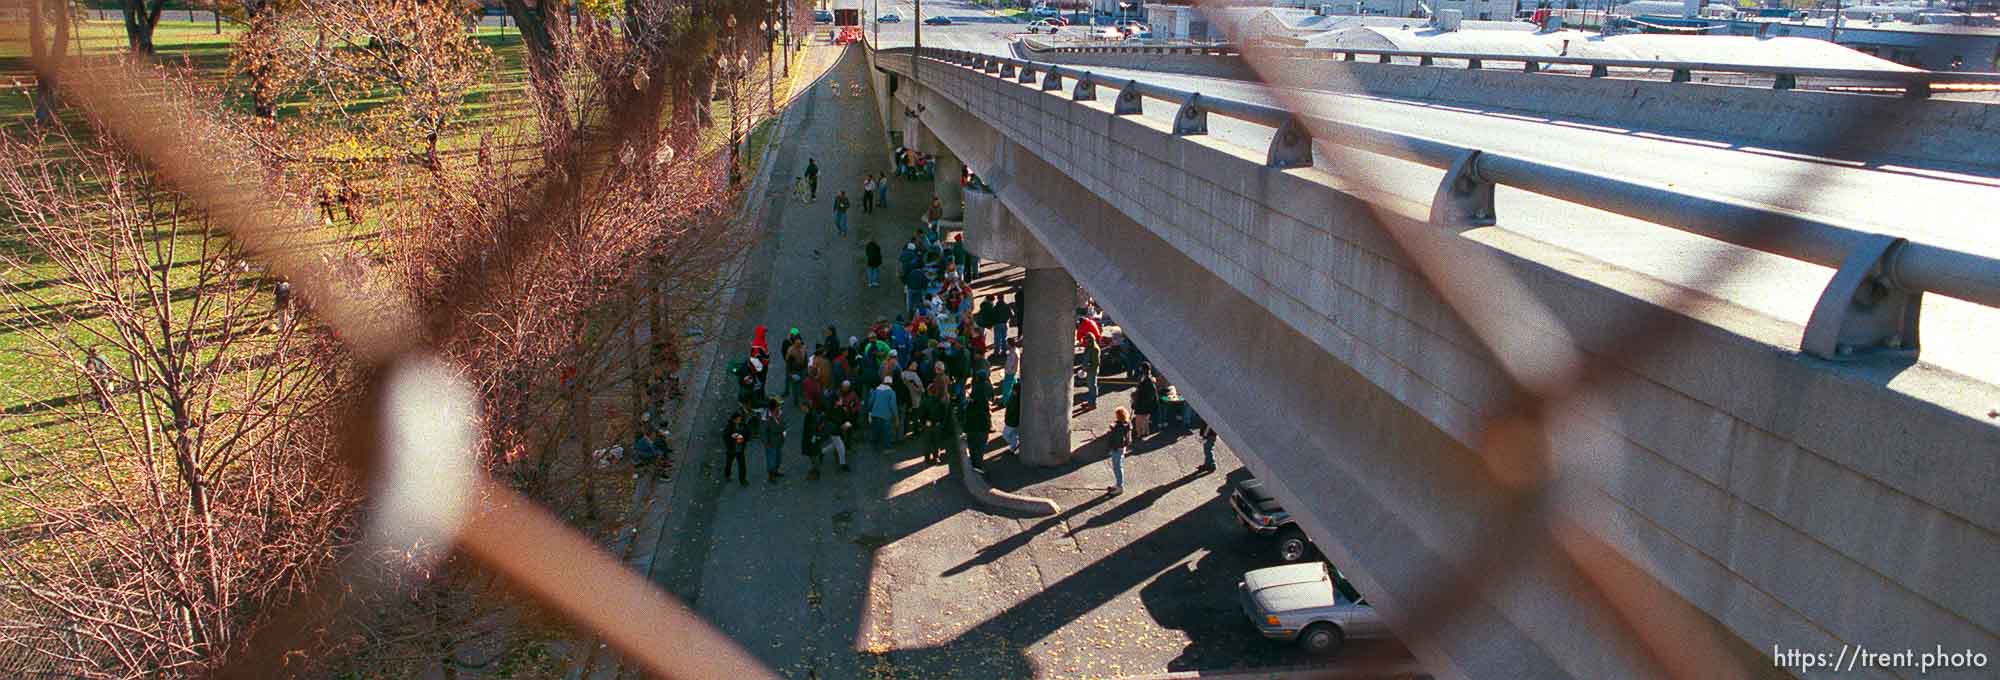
(1179, 22)
(1481, 10)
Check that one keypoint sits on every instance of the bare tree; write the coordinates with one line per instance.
(187, 492)
(342, 54)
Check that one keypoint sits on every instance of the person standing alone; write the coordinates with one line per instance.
(840, 204)
(771, 428)
(735, 440)
(873, 253)
(1116, 441)
(812, 180)
(868, 194)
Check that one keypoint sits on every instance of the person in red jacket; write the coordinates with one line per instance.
(1087, 327)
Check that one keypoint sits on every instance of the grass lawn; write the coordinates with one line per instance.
(31, 395)
(38, 405)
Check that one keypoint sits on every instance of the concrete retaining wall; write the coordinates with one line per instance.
(1957, 133)
(1796, 502)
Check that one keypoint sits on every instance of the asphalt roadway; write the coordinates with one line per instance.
(1951, 206)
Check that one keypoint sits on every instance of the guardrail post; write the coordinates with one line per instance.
(1473, 64)
(1599, 71)
(992, 65)
(1027, 74)
(1921, 90)
(1084, 90)
(1785, 81)
(1191, 120)
(1382, 59)
(1423, 61)
(1347, 56)
(1863, 310)
(1006, 69)
(1129, 101)
(1682, 75)
(1530, 67)
(1052, 81)
(1291, 146)
(1463, 199)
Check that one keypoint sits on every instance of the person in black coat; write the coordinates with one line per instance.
(873, 253)
(735, 442)
(977, 423)
(1012, 422)
(1145, 402)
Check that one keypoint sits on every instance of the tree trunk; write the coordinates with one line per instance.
(140, 20)
(47, 53)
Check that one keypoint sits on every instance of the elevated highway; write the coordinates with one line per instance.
(1779, 500)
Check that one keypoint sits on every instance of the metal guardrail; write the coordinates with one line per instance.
(1915, 84)
(1870, 306)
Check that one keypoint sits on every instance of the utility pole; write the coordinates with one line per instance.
(917, 58)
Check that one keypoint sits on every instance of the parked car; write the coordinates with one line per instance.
(1045, 11)
(939, 20)
(1309, 603)
(890, 18)
(1260, 512)
(1041, 26)
(822, 17)
(1107, 33)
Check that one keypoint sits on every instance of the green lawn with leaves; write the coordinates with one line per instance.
(30, 394)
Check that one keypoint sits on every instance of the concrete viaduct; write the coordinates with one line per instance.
(1783, 500)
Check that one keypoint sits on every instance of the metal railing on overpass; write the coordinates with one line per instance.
(1870, 306)
(1914, 84)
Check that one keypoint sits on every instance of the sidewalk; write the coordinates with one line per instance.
(658, 497)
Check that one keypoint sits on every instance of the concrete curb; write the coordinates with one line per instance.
(975, 483)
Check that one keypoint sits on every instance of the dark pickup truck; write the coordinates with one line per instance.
(1260, 512)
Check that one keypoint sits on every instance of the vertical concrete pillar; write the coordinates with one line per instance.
(1048, 337)
(948, 190)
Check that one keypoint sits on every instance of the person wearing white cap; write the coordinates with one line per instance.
(882, 410)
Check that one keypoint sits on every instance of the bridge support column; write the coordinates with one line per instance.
(1048, 338)
(949, 192)
(1047, 333)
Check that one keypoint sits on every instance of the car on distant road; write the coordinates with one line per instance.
(1107, 33)
(939, 20)
(1045, 11)
(822, 17)
(1259, 511)
(890, 18)
(1309, 603)
(1057, 21)
(1041, 26)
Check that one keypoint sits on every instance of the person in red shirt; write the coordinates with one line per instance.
(1087, 327)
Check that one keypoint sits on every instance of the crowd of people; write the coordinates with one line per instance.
(926, 375)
